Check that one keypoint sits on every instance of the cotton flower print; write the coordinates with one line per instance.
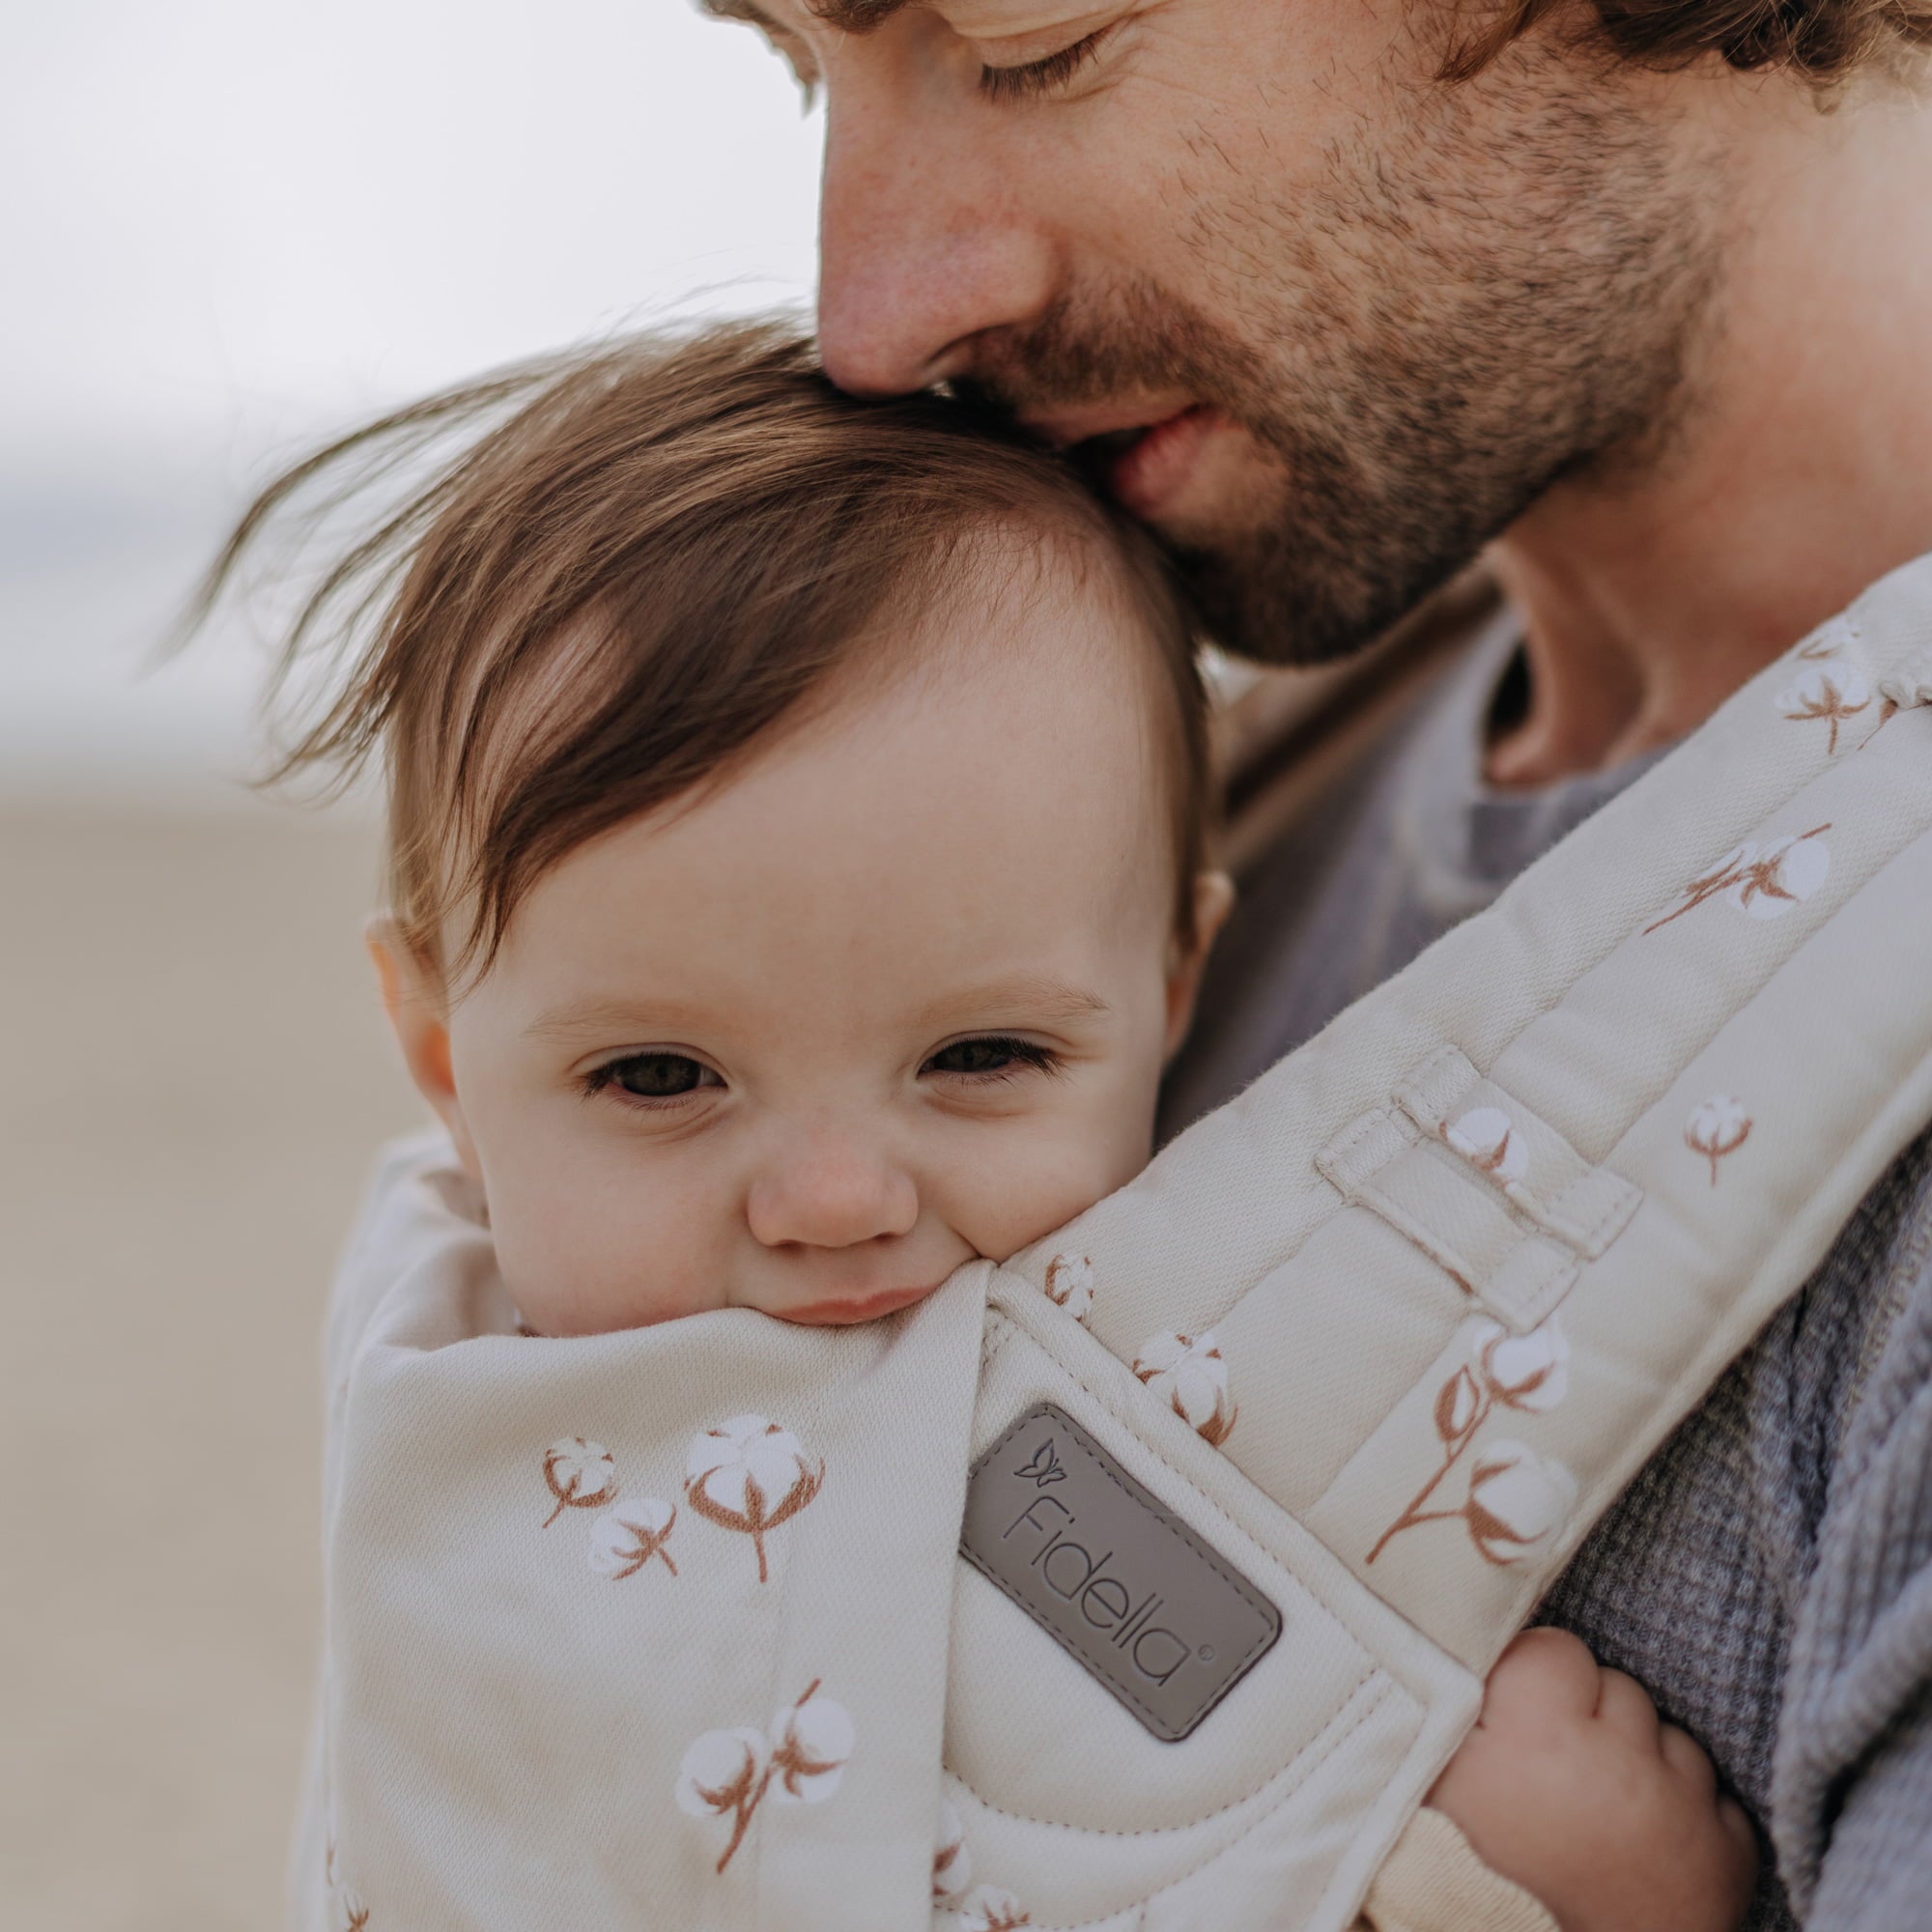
(951, 1861)
(1829, 687)
(1840, 634)
(1069, 1284)
(750, 1475)
(1827, 690)
(1512, 1504)
(989, 1909)
(1765, 881)
(579, 1474)
(811, 1741)
(1518, 1501)
(1188, 1374)
(1718, 1128)
(723, 1775)
(729, 1774)
(1486, 1137)
(346, 1912)
(626, 1537)
(1527, 1373)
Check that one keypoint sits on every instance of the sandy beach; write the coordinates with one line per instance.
(192, 1077)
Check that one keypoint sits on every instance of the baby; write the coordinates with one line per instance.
(797, 878)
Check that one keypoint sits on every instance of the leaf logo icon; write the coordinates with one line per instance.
(1044, 1469)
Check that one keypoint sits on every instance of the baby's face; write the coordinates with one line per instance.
(895, 996)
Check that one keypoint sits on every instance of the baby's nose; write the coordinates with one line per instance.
(830, 1192)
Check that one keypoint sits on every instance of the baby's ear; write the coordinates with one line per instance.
(1214, 901)
(416, 1001)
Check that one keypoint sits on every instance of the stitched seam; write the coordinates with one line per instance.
(1339, 1711)
(1237, 1582)
(1671, 1402)
(1009, 1328)
(1318, 1594)
(1292, 1787)
(1413, 1230)
(1333, 1161)
(1625, 1198)
(1643, 1104)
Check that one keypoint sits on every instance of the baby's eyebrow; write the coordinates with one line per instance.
(1035, 996)
(576, 1018)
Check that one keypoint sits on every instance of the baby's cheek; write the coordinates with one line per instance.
(581, 1265)
(1042, 1188)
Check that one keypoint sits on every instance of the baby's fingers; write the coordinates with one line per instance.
(1689, 1763)
(1624, 1706)
(1544, 1674)
(1741, 1841)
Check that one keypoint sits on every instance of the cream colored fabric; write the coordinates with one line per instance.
(1389, 1332)
(553, 1613)
(1433, 1883)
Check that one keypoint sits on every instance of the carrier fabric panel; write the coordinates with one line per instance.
(1464, 1261)
(1439, 1283)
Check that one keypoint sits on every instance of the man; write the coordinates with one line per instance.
(1636, 295)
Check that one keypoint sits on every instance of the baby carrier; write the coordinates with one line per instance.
(1259, 1463)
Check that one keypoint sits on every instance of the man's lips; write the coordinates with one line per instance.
(1145, 460)
(843, 1311)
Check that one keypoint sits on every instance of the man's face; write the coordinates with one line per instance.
(1323, 321)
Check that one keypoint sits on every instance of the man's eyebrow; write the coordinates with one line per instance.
(855, 16)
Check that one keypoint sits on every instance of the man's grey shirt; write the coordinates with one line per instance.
(1768, 1577)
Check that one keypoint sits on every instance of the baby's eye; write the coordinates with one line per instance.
(991, 1056)
(654, 1077)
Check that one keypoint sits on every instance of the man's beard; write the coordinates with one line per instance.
(1503, 296)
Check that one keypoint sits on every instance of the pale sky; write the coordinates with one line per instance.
(230, 224)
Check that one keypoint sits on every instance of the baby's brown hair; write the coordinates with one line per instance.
(642, 558)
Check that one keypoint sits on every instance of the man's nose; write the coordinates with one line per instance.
(923, 244)
(829, 1190)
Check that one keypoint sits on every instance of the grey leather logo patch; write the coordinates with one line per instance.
(1113, 1577)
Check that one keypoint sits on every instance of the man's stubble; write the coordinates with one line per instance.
(1484, 289)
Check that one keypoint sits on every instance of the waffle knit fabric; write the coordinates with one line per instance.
(1768, 1577)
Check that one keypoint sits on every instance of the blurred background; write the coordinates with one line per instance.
(230, 227)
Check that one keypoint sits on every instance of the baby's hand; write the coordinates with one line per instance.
(1571, 1786)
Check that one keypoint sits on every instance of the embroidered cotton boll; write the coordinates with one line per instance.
(1069, 1284)
(1765, 881)
(1488, 1140)
(1831, 691)
(1785, 873)
(812, 1743)
(1840, 634)
(951, 1861)
(1529, 1374)
(750, 1475)
(1717, 1128)
(1518, 1501)
(580, 1474)
(1189, 1374)
(1524, 1372)
(723, 1775)
(729, 1774)
(626, 1537)
(988, 1909)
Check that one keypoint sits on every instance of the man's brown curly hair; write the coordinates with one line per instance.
(1821, 40)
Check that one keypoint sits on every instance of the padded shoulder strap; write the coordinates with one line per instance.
(1440, 1282)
